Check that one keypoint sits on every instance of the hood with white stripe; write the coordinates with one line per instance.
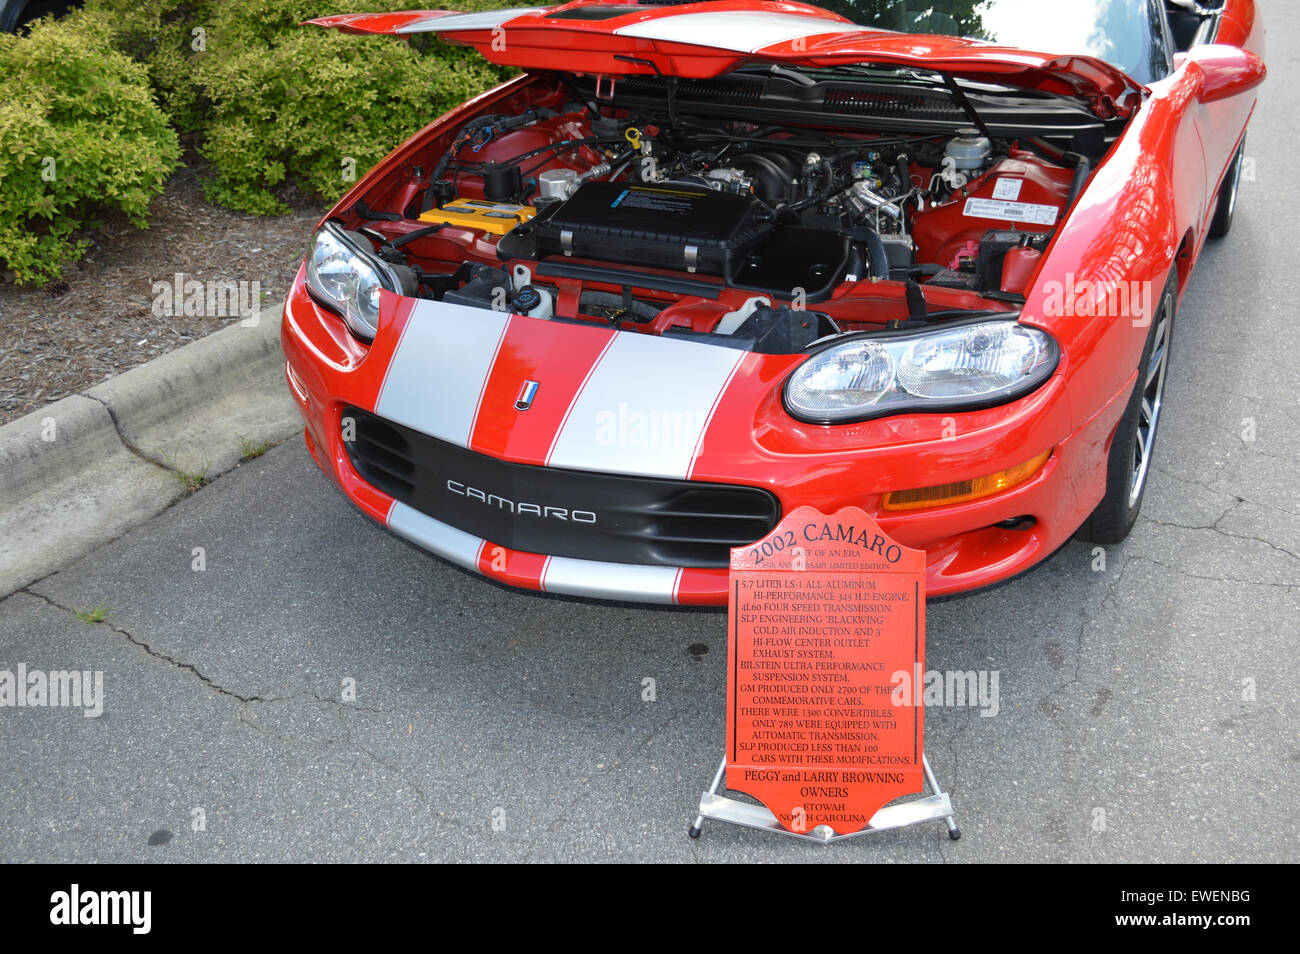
(701, 40)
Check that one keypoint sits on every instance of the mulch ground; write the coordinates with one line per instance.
(98, 320)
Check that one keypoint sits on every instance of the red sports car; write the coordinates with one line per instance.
(701, 264)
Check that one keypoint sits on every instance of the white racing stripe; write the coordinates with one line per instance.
(645, 406)
(590, 578)
(435, 536)
(466, 21)
(699, 441)
(739, 31)
(610, 581)
(437, 374)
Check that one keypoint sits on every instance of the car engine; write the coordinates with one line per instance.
(573, 203)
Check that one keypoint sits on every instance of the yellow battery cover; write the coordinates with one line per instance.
(495, 217)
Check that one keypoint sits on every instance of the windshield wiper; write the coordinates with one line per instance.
(794, 76)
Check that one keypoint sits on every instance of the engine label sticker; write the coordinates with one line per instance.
(826, 615)
(1011, 211)
(1007, 188)
(659, 200)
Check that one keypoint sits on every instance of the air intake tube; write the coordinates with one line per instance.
(867, 251)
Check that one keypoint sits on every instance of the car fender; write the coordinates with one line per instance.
(1102, 276)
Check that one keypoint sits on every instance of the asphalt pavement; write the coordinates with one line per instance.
(322, 691)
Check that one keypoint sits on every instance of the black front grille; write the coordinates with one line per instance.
(571, 513)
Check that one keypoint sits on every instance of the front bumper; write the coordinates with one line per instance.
(746, 441)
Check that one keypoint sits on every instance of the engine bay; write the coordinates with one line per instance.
(677, 215)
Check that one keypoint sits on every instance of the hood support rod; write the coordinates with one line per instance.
(669, 81)
(960, 96)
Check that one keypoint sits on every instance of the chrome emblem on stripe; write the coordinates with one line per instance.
(526, 395)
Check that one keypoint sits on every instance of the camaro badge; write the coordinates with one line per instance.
(526, 395)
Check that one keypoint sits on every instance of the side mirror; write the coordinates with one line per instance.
(1226, 70)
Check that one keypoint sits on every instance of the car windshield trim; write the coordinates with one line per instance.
(1131, 35)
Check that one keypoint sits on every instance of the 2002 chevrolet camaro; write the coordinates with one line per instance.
(701, 264)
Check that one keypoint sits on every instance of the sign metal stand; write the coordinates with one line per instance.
(898, 815)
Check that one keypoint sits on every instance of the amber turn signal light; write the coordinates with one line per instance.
(964, 490)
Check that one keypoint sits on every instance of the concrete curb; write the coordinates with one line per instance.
(83, 470)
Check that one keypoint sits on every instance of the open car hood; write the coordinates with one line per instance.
(701, 40)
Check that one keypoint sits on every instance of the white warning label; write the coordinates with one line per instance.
(1007, 188)
(1011, 211)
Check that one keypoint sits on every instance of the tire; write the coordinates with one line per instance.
(1227, 203)
(1128, 464)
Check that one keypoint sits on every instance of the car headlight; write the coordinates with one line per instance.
(963, 366)
(347, 278)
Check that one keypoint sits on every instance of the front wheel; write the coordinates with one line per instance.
(1128, 464)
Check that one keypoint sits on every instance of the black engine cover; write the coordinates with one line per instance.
(668, 226)
(686, 229)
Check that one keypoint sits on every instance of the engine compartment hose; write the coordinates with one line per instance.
(877, 257)
(1081, 170)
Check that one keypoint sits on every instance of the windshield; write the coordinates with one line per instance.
(1128, 34)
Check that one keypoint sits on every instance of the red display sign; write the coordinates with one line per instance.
(822, 613)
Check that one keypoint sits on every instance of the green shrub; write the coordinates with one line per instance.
(79, 133)
(162, 35)
(274, 102)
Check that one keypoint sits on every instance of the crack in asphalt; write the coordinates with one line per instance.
(198, 673)
(157, 654)
(207, 482)
(1260, 399)
(340, 707)
(1102, 605)
(1084, 623)
(1215, 528)
(1106, 603)
(1211, 579)
(1222, 492)
(344, 741)
(1235, 433)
